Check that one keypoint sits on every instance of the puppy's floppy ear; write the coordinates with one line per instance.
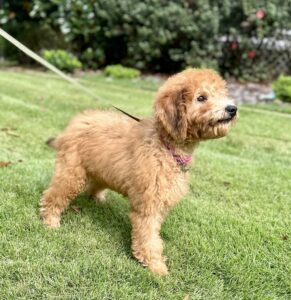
(171, 112)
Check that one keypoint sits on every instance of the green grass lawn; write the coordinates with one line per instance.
(228, 239)
(275, 107)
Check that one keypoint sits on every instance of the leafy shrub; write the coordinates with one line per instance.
(34, 33)
(119, 71)
(62, 60)
(282, 88)
(92, 58)
(155, 35)
(160, 35)
(246, 39)
(256, 34)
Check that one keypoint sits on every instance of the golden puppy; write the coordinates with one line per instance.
(145, 161)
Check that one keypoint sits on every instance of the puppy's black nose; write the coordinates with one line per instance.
(231, 109)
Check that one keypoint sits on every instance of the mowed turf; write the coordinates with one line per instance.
(228, 239)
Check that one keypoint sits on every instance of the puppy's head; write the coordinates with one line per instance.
(194, 105)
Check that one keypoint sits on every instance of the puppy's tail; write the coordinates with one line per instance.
(52, 142)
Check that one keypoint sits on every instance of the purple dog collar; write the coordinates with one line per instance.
(182, 161)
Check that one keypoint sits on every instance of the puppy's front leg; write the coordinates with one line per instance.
(147, 246)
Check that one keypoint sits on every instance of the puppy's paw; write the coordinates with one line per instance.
(158, 267)
(51, 221)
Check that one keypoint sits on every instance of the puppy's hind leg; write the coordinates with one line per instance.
(68, 181)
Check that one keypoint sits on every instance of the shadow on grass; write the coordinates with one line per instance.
(111, 217)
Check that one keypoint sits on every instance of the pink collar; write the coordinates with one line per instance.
(182, 161)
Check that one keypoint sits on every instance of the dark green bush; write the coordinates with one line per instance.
(168, 35)
(119, 71)
(34, 33)
(62, 60)
(155, 35)
(239, 38)
(282, 88)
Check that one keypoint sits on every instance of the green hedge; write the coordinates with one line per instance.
(153, 35)
(62, 60)
(35, 33)
(119, 71)
(169, 35)
(282, 88)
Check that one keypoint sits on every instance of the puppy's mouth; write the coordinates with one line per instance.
(224, 120)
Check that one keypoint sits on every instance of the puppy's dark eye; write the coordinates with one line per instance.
(201, 98)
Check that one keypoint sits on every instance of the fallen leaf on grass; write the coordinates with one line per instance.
(4, 164)
(76, 209)
(12, 133)
(285, 237)
(9, 131)
(186, 297)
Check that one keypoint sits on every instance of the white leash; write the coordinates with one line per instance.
(46, 64)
